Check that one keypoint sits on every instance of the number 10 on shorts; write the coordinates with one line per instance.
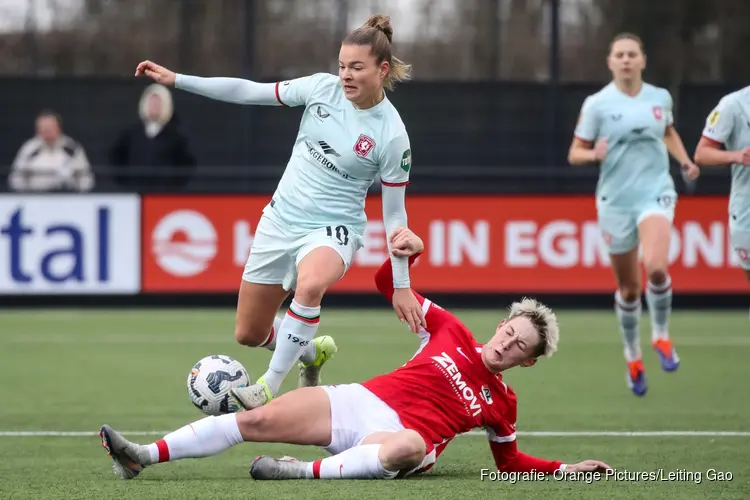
(341, 234)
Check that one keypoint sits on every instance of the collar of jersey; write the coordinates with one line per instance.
(372, 109)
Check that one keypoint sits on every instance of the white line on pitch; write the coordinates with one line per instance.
(472, 433)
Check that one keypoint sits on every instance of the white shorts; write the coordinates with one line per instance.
(277, 251)
(356, 413)
(740, 241)
(619, 225)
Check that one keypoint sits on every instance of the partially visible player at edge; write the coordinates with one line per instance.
(628, 129)
(726, 141)
(309, 233)
(395, 424)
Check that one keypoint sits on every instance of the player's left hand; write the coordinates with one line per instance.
(588, 466)
(691, 170)
(408, 309)
(404, 243)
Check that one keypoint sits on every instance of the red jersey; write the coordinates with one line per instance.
(446, 390)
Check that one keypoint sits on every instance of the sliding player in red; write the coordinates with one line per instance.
(393, 425)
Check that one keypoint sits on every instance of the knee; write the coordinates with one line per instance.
(657, 276)
(255, 424)
(310, 290)
(656, 268)
(406, 450)
(250, 335)
(630, 292)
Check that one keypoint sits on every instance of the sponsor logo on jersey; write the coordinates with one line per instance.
(658, 114)
(406, 160)
(322, 113)
(364, 145)
(713, 118)
(456, 378)
(320, 158)
(328, 149)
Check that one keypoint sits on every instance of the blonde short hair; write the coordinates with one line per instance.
(544, 321)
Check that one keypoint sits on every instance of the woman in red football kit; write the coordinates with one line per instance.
(394, 425)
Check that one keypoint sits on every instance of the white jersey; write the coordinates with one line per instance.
(339, 151)
(729, 125)
(635, 171)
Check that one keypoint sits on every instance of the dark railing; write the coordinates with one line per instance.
(466, 179)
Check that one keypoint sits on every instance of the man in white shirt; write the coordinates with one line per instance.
(51, 161)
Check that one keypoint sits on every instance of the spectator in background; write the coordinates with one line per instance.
(51, 161)
(155, 141)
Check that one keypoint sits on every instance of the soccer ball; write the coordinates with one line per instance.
(209, 381)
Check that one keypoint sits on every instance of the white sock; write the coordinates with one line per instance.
(206, 437)
(659, 300)
(308, 354)
(270, 342)
(360, 462)
(296, 332)
(628, 316)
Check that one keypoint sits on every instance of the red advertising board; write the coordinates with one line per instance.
(521, 244)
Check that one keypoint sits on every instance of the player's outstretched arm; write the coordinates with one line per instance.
(233, 90)
(509, 459)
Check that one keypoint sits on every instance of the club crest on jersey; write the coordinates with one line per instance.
(743, 255)
(657, 112)
(364, 145)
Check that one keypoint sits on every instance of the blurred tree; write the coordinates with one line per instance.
(686, 40)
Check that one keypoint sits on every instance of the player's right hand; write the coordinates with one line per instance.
(744, 157)
(159, 74)
(600, 149)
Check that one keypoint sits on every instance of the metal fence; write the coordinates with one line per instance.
(693, 41)
(498, 83)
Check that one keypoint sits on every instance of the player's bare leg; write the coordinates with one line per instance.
(257, 307)
(317, 271)
(257, 325)
(655, 234)
(381, 455)
(628, 309)
(277, 422)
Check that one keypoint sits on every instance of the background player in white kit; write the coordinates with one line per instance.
(726, 141)
(393, 425)
(306, 240)
(628, 128)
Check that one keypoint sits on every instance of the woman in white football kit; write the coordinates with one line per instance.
(627, 128)
(306, 240)
(726, 141)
